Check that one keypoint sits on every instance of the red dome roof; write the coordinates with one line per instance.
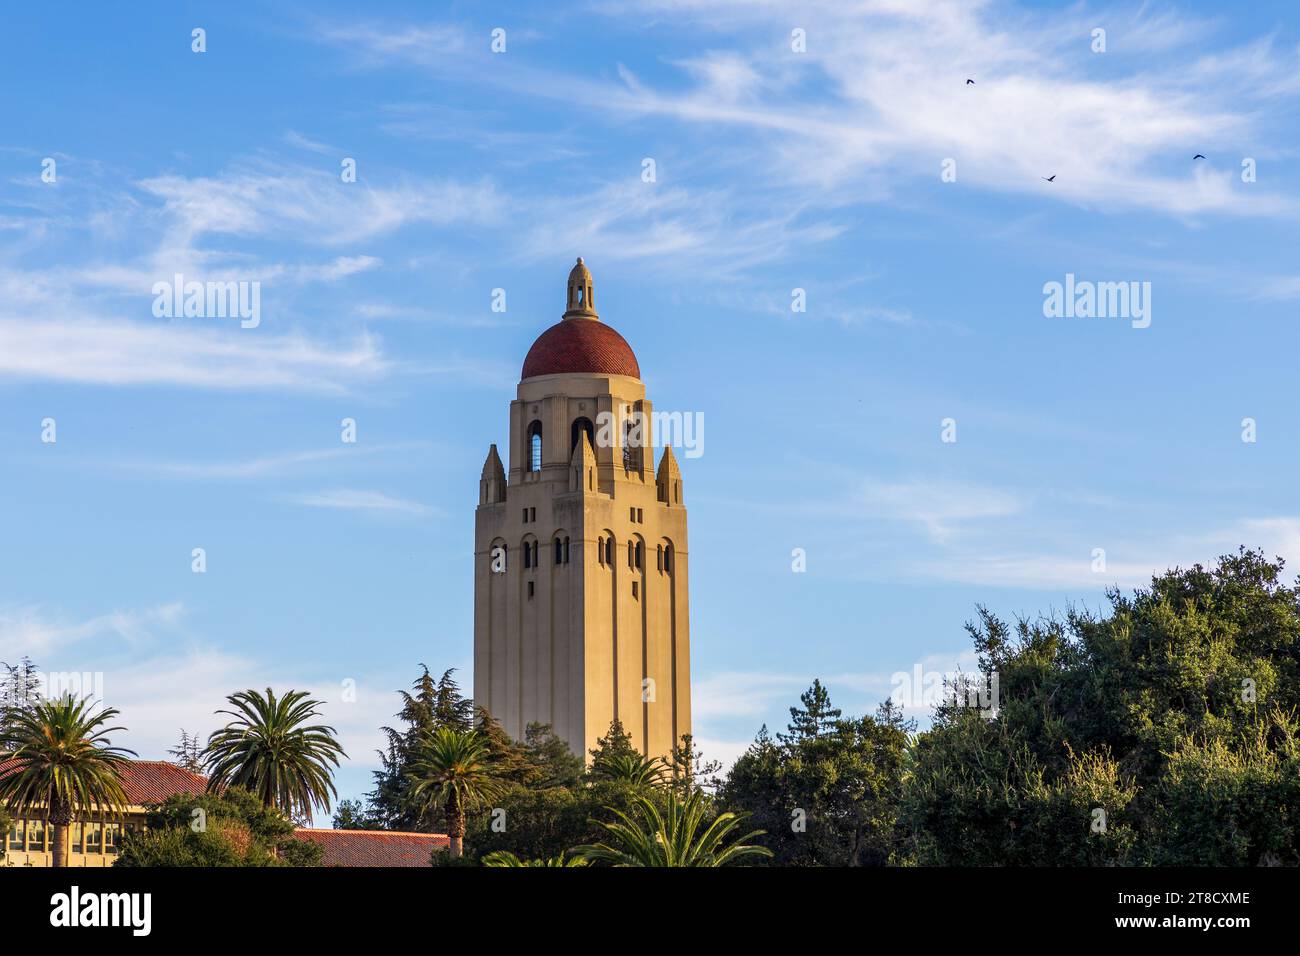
(580, 345)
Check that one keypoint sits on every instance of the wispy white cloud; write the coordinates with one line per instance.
(126, 353)
(353, 499)
(35, 631)
(261, 466)
(882, 88)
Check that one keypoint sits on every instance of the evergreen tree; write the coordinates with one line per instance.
(188, 754)
(814, 718)
(550, 762)
(616, 743)
(690, 771)
(429, 706)
(20, 684)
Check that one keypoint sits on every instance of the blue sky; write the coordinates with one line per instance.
(776, 170)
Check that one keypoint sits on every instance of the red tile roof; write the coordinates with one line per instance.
(149, 781)
(580, 345)
(374, 847)
(153, 781)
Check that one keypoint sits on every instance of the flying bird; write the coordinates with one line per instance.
(1048, 179)
(1199, 156)
(969, 81)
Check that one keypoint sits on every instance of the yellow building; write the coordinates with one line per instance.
(95, 842)
(580, 555)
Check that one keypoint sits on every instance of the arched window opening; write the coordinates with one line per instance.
(659, 557)
(609, 551)
(579, 426)
(528, 555)
(640, 555)
(559, 551)
(668, 559)
(535, 446)
(631, 454)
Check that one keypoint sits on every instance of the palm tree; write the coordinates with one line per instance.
(62, 764)
(271, 750)
(678, 838)
(506, 858)
(631, 768)
(451, 772)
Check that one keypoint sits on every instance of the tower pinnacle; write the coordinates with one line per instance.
(581, 301)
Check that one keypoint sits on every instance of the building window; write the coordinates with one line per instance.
(35, 836)
(535, 446)
(631, 514)
(530, 590)
(609, 551)
(631, 555)
(640, 516)
(16, 833)
(634, 591)
(579, 426)
(525, 516)
(668, 559)
(566, 549)
(532, 514)
(528, 555)
(112, 837)
(630, 455)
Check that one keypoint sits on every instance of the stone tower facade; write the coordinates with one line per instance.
(580, 553)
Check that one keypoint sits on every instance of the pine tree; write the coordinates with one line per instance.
(616, 743)
(550, 761)
(427, 707)
(690, 771)
(188, 753)
(20, 684)
(815, 718)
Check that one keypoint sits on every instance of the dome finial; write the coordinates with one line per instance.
(581, 300)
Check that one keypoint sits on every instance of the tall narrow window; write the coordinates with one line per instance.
(631, 458)
(535, 446)
(566, 549)
(576, 430)
(559, 551)
(668, 559)
(528, 555)
(609, 551)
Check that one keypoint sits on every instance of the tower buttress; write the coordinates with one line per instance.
(582, 467)
(492, 483)
(668, 480)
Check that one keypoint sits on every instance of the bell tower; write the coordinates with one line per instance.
(580, 554)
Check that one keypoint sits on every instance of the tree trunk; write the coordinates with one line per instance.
(59, 843)
(60, 820)
(455, 828)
